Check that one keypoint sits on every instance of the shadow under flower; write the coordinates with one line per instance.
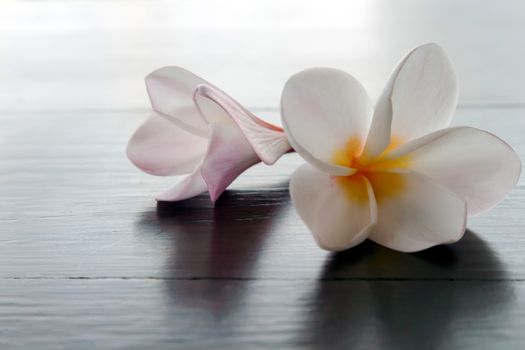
(213, 244)
(396, 300)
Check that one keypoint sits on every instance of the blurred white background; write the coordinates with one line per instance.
(93, 55)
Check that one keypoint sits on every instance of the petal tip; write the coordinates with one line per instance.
(214, 195)
(329, 246)
(163, 69)
(159, 198)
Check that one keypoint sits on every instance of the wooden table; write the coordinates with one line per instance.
(88, 260)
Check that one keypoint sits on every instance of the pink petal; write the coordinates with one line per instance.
(229, 154)
(191, 186)
(477, 165)
(420, 97)
(414, 212)
(171, 92)
(339, 214)
(322, 110)
(192, 103)
(160, 148)
(267, 140)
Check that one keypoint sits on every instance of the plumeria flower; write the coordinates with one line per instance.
(197, 129)
(397, 175)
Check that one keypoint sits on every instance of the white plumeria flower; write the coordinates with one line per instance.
(197, 129)
(397, 175)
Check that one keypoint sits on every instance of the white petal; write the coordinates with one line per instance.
(160, 148)
(477, 165)
(414, 212)
(267, 140)
(420, 97)
(323, 109)
(339, 215)
(171, 92)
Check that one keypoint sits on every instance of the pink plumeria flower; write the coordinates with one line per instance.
(197, 129)
(397, 175)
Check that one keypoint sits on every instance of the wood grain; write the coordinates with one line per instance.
(73, 206)
(210, 314)
(88, 260)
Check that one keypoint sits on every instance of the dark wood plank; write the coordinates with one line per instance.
(73, 206)
(207, 314)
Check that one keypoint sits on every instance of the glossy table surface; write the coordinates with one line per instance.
(88, 260)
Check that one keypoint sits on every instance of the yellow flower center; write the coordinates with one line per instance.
(383, 183)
